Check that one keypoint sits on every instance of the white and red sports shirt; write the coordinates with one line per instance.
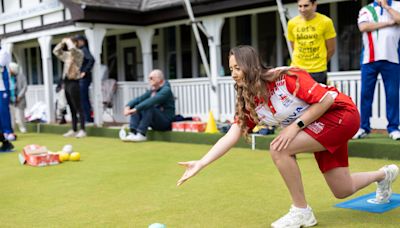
(381, 44)
(283, 107)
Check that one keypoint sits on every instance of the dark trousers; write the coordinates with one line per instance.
(5, 116)
(390, 73)
(152, 117)
(84, 84)
(72, 93)
(320, 77)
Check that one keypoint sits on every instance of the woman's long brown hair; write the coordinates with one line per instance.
(256, 75)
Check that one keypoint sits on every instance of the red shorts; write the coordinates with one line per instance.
(333, 130)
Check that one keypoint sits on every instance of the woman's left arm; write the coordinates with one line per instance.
(314, 112)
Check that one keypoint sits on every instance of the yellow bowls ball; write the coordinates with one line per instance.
(74, 156)
(63, 156)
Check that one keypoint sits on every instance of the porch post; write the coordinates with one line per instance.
(47, 64)
(334, 16)
(214, 26)
(95, 38)
(146, 37)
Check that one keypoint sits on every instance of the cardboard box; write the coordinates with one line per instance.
(34, 149)
(179, 126)
(195, 126)
(36, 155)
(42, 159)
(189, 126)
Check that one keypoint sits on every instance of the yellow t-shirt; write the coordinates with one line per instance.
(309, 41)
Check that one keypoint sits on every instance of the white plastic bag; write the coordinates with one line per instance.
(37, 112)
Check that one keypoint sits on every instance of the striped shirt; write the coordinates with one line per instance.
(381, 44)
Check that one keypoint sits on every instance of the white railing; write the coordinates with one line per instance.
(227, 98)
(193, 96)
(34, 94)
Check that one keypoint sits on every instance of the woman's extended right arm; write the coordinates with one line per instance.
(218, 150)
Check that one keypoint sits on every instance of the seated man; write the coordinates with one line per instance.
(155, 108)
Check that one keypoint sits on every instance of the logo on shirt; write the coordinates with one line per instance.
(293, 116)
(285, 99)
(316, 127)
(279, 83)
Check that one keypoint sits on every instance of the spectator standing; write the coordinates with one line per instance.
(86, 76)
(5, 84)
(379, 23)
(72, 57)
(18, 91)
(155, 108)
(312, 37)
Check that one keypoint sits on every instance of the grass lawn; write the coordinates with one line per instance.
(120, 184)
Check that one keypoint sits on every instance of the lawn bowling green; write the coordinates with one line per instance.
(120, 184)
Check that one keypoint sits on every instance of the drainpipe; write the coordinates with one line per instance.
(195, 26)
(282, 16)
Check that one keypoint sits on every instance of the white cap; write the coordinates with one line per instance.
(14, 68)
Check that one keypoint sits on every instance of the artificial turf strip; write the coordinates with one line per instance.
(133, 185)
(375, 146)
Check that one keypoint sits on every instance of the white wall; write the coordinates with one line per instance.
(31, 22)
(29, 3)
(13, 27)
(53, 17)
(29, 15)
(11, 5)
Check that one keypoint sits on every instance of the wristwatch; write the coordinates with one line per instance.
(300, 123)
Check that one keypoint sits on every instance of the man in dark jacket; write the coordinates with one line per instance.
(155, 108)
(86, 76)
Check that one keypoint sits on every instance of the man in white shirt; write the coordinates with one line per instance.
(380, 24)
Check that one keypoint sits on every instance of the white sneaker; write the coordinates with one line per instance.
(384, 190)
(70, 133)
(129, 137)
(11, 137)
(22, 130)
(395, 135)
(139, 138)
(122, 134)
(361, 133)
(296, 218)
(81, 134)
